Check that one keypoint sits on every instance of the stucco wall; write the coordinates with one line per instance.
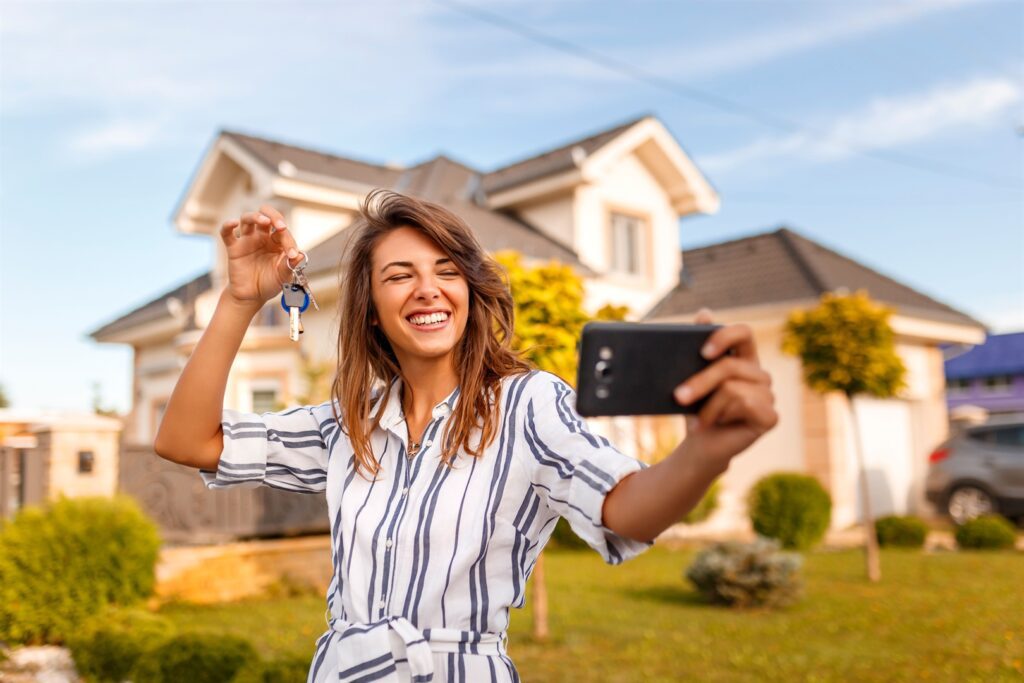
(64, 477)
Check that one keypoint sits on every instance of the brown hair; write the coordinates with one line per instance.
(483, 356)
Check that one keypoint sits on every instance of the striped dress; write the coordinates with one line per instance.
(429, 559)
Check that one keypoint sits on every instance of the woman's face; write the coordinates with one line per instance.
(420, 295)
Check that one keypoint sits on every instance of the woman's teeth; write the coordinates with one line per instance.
(431, 319)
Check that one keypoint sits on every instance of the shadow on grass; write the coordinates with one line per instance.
(668, 595)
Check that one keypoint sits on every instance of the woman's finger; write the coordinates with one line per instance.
(703, 316)
(739, 337)
(275, 216)
(708, 379)
(227, 232)
(251, 220)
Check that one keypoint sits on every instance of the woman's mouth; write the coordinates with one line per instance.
(429, 322)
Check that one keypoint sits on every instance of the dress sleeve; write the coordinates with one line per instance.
(283, 450)
(573, 469)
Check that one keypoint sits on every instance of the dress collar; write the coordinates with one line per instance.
(393, 413)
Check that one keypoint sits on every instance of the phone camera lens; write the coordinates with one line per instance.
(602, 370)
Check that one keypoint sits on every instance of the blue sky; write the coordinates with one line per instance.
(106, 109)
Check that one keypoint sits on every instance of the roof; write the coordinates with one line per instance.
(157, 308)
(783, 265)
(552, 161)
(1001, 354)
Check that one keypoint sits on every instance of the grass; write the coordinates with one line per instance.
(946, 616)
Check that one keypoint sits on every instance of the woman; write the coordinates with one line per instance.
(446, 459)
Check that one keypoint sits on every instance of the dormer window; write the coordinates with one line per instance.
(627, 244)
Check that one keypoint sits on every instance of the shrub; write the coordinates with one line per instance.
(793, 508)
(196, 658)
(901, 532)
(63, 563)
(113, 642)
(747, 574)
(293, 669)
(565, 537)
(707, 505)
(987, 532)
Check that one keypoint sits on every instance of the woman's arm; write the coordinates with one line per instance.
(190, 432)
(260, 250)
(739, 411)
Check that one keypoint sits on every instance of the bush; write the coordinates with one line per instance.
(61, 564)
(287, 670)
(747, 574)
(196, 658)
(901, 532)
(707, 505)
(793, 508)
(564, 537)
(987, 532)
(109, 647)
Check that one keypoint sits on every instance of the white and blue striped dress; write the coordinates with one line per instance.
(429, 559)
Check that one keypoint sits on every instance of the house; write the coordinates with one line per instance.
(758, 280)
(607, 204)
(45, 455)
(989, 375)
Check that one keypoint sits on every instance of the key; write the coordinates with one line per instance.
(295, 300)
(299, 275)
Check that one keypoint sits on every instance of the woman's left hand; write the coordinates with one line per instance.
(741, 404)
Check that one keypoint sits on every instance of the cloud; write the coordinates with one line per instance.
(882, 124)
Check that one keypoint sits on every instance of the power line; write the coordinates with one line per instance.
(715, 101)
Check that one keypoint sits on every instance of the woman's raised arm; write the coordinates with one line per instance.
(260, 250)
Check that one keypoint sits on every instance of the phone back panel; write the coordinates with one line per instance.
(633, 368)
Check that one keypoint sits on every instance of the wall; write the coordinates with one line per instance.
(64, 477)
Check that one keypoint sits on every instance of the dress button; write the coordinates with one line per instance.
(381, 604)
(427, 442)
(388, 544)
(405, 490)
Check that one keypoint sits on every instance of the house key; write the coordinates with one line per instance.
(295, 300)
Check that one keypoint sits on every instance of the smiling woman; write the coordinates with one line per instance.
(445, 457)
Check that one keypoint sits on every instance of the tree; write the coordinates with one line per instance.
(97, 402)
(4, 402)
(549, 319)
(846, 344)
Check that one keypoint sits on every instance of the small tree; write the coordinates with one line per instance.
(549, 319)
(4, 402)
(846, 344)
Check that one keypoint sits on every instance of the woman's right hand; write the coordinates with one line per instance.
(259, 255)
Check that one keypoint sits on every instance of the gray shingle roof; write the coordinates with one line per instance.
(784, 266)
(157, 308)
(552, 161)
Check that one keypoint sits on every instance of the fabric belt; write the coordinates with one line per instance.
(368, 651)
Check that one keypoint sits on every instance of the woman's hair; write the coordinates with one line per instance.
(483, 356)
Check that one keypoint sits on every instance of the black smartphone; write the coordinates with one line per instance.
(632, 368)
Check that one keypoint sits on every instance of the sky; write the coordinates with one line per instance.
(892, 132)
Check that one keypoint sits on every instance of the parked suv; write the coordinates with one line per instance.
(979, 471)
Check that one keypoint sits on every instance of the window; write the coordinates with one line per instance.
(271, 315)
(86, 460)
(627, 244)
(958, 386)
(998, 384)
(264, 400)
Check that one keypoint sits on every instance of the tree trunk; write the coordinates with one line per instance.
(872, 562)
(540, 601)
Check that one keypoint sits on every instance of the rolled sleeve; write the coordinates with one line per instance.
(283, 450)
(573, 469)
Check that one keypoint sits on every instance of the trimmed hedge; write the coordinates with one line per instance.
(112, 644)
(287, 670)
(793, 508)
(987, 532)
(901, 532)
(63, 563)
(195, 658)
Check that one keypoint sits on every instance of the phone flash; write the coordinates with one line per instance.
(605, 353)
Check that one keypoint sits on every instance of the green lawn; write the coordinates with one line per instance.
(940, 617)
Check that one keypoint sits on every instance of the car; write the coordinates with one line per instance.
(980, 470)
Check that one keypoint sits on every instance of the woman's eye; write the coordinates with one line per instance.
(397, 277)
(450, 272)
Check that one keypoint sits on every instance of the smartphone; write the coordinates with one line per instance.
(630, 368)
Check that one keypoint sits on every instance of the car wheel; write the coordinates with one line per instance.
(968, 502)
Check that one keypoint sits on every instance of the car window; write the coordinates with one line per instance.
(1010, 435)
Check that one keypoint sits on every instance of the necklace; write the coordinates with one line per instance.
(414, 448)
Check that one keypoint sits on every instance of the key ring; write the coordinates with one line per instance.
(302, 264)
